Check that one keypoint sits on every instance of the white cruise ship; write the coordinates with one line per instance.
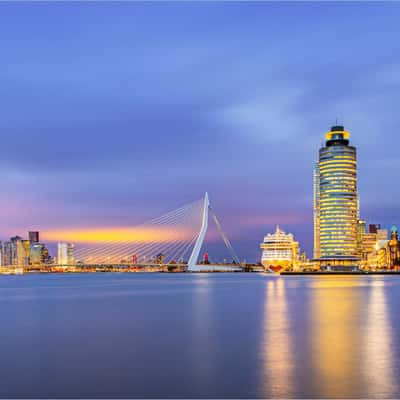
(279, 251)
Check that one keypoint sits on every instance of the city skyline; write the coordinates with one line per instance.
(97, 133)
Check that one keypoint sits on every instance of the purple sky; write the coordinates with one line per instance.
(112, 114)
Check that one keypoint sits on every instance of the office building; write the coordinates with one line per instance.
(65, 254)
(36, 256)
(26, 244)
(39, 254)
(361, 230)
(374, 228)
(336, 202)
(46, 258)
(7, 253)
(18, 252)
(33, 236)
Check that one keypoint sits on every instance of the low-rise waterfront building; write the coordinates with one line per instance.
(370, 243)
(394, 248)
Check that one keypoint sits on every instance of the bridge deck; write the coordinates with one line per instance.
(215, 268)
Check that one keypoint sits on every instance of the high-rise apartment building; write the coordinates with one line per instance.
(336, 201)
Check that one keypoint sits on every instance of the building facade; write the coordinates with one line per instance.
(33, 236)
(279, 251)
(7, 253)
(37, 250)
(19, 254)
(39, 254)
(336, 202)
(394, 248)
(371, 241)
(65, 254)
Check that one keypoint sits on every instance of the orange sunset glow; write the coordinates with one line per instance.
(117, 234)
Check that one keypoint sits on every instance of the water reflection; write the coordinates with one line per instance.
(202, 346)
(378, 367)
(335, 331)
(336, 341)
(277, 349)
(200, 336)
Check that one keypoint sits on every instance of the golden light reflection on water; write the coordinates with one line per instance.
(351, 341)
(335, 334)
(277, 349)
(330, 282)
(378, 368)
(328, 337)
(203, 346)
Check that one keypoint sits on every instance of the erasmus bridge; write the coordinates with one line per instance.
(174, 239)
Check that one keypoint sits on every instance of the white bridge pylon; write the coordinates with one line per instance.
(193, 260)
(192, 263)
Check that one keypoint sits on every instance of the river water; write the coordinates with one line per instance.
(199, 335)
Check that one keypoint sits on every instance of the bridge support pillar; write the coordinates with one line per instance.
(192, 263)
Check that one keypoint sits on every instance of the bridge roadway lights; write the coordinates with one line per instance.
(87, 268)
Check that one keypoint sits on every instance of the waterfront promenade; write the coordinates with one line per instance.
(178, 268)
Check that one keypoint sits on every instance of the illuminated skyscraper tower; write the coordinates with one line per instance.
(335, 201)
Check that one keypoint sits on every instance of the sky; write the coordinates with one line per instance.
(115, 113)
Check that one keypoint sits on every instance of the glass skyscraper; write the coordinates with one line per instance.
(336, 201)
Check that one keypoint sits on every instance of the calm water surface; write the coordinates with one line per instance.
(199, 335)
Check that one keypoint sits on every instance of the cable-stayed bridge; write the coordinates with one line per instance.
(174, 239)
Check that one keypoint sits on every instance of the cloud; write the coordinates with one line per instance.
(275, 219)
(271, 118)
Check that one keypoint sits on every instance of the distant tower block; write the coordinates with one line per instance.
(34, 236)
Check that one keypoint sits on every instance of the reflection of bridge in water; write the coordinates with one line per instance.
(171, 242)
